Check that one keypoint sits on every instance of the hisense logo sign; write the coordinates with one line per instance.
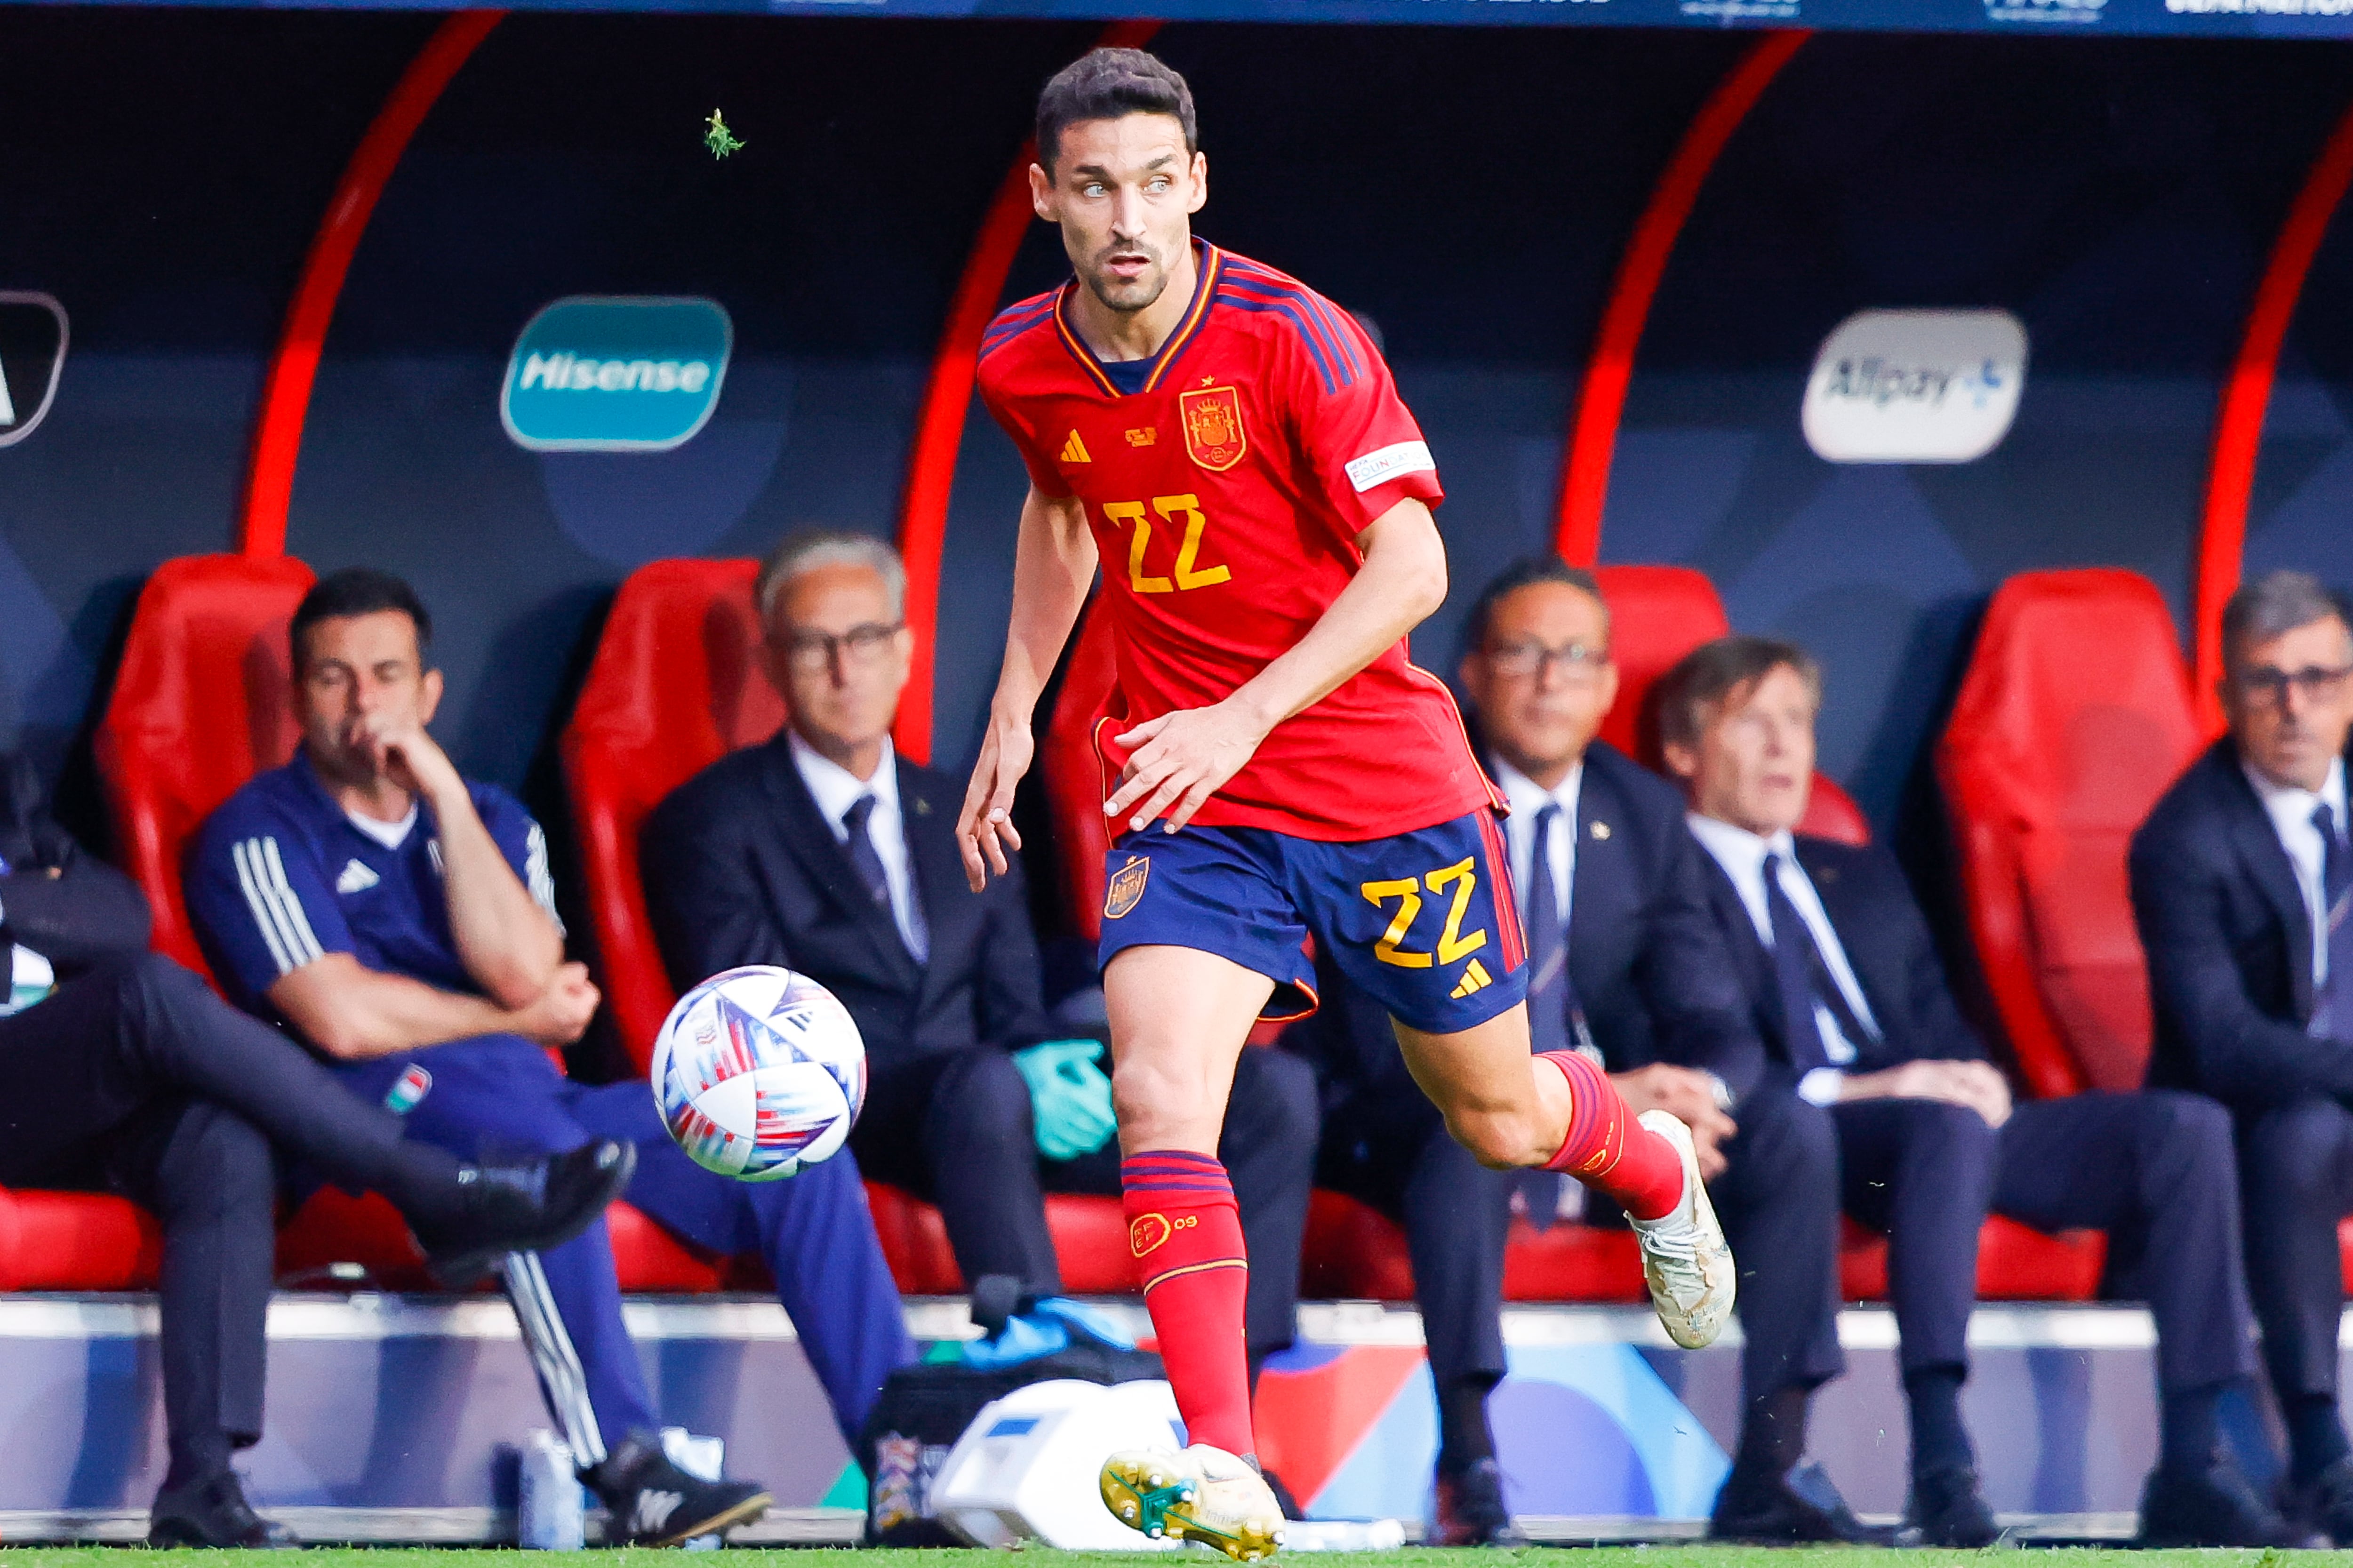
(32, 356)
(616, 374)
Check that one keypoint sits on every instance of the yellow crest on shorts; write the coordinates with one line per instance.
(1126, 887)
(1147, 1233)
(1213, 426)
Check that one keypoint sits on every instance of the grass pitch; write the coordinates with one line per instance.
(1411, 1557)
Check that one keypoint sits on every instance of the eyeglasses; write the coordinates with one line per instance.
(859, 646)
(2266, 684)
(1578, 661)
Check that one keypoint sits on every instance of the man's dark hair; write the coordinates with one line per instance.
(1525, 573)
(2273, 606)
(1104, 84)
(361, 591)
(1715, 670)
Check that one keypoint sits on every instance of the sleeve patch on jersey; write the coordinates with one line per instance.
(1380, 466)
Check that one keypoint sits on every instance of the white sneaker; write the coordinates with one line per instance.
(1684, 1259)
(1203, 1494)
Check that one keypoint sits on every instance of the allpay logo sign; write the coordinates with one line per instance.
(1915, 386)
(616, 374)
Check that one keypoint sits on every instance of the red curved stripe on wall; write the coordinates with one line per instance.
(939, 423)
(286, 395)
(1602, 400)
(2246, 398)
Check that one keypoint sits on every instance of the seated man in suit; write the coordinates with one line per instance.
(825, 852)
(401, 920)
(1623, 956)
(1871, 1060)
(119, 1072)
(2239, 881)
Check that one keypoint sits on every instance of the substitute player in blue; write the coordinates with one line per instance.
(402, 921)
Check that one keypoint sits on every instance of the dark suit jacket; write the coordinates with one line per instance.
(1887, 945)
(70, 908)
(1643, 956)
(740, 867)
(2230, 946)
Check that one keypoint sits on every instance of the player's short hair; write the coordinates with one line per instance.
(813, 548)
(1716, 672)
(1105, 84)
(1527, 573)
(360, 591)
(2275, 605)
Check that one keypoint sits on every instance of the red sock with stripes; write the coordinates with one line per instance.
(1608, 1149)
(1186, 1237)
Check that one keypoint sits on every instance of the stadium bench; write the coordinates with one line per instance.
(2074, 716)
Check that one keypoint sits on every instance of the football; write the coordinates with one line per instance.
(758, 1071)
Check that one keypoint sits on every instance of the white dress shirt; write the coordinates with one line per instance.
(1741, 854)
(2291, 813)
(1526, 798)
(836, 789)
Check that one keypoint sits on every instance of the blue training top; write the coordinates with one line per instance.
(281, 877)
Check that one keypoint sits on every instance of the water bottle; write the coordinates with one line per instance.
(550, 1505)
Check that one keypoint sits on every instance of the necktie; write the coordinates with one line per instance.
(1550, 999)
(1794, 960)
(2332, 1011)
(862, 853)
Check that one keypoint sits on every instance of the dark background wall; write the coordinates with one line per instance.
(162, 173)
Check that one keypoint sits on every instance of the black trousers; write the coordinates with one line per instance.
(135, 1078)
(2296, 1167)
(2153, 1170)
(956, 1129)
(1386, 1145)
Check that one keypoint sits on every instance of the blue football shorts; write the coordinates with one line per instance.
(1423, 922)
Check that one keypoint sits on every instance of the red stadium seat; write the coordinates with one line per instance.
(75, 1241)
(676, 685)
(203, 703)
(2014, 1264)
(2075, 715)
(1657, 614)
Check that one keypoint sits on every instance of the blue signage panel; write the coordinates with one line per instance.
(616, 374)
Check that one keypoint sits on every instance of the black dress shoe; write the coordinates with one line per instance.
(1773, 1510)
(648, 1501)
(214, 1513)
(1470, 1510)
(2325, 1503)
(525, 1208)
(1947, 1509)
(2212, 1507)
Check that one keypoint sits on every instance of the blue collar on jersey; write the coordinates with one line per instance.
(1145, 373)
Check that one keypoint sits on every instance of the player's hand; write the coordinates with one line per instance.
(1687, 1096)
(1970, 1083)
(984, 828)
(404, 754)
(1180, 760)
(560, 1014)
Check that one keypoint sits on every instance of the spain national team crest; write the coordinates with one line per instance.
(1126, 887)
(1213, 426)
(1147, 1233)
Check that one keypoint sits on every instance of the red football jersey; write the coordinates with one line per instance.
(1226, 496)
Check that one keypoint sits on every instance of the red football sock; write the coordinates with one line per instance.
(1187, 1236)
(1608, 1149)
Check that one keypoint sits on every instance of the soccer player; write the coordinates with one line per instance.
(1230, 445)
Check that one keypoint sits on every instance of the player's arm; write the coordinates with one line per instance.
(1053, 562)
(352, 1012)
(508, 944)
(1182, 758)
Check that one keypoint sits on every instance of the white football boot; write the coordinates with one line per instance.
(1684, 1259)
(1203, 1494)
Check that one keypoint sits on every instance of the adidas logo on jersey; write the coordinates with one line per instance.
(1075, 450)
(1474, 978)
(355, 878)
